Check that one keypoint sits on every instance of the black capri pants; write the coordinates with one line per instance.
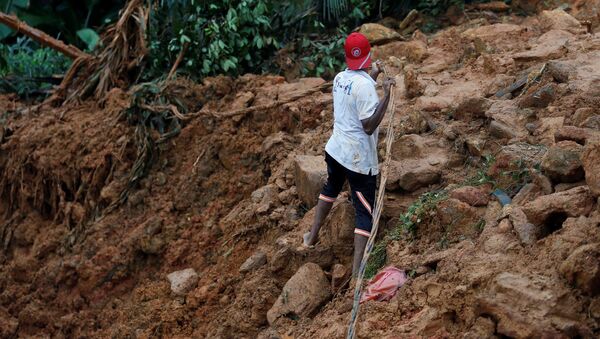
(363, 192)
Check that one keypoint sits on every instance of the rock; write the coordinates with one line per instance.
(257, 260)
(338, 276)
(414, 88)
(540, 98)
(475, 146)
(560, 71)
(591, 165)
(265, 198)
(242, 100)
(494, 6)
(553, 207)
(527, 306)
(472, 108)
(458, 215)
(409, 146)
(562, 162)
(592, 122)
(433, 104)
(473, 196)
(414, 50)
(582, 114)
(505, 226)
(582, 268)
(527, 232)
(338, 228)
(412, 174)
(183, 281)
(567, 186)
(546, 132)
(542, 182)
(559, 19)
(527, 193)
(378, 34)
(310, 174)
(550, 45)
(489, 33)
(578, 134)
(501, 130)
(302, 295)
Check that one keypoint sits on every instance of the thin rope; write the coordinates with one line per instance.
(389, 140)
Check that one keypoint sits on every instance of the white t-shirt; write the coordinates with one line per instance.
(354, 99)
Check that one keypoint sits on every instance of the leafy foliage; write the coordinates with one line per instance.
(23, 67)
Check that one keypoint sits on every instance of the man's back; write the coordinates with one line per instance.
(354, 99)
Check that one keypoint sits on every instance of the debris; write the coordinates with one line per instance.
(384, 285)
(378, 34)
(502, 197)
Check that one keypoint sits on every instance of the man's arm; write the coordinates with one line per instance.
(371, 123)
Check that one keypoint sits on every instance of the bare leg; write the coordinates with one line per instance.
(321, 212)
(360, 243)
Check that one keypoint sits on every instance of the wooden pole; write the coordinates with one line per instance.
(44, 39)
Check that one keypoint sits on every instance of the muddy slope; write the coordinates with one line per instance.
(495, 102)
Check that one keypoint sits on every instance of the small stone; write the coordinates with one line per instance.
(338, 276)
(255, 261)
(530, 127)
(501, 130)
(472, 108)
(505, 226)
(540, 98)
(473, 196)
(160, 179)
(183, 281)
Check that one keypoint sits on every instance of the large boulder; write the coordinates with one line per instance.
(529, 306)
(559, 19)
(582, 268)
(302, 295)
(591, 164)
(414, 50)
(562, 162)
(550, 208)
(489, 33)
(310, 173)
(378, 34)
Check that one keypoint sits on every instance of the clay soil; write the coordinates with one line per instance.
(75, 263)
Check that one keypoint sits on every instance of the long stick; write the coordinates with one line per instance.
(389, 140)
(14, 23)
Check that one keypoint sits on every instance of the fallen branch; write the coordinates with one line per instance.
(44, 39)
(178, 61)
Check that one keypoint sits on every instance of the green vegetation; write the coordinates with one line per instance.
(26, 69)
(420, 211)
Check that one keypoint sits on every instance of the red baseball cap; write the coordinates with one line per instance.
(358, 51)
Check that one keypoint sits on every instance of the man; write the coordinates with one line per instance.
(351, 152)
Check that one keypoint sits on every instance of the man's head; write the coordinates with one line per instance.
(358, 51)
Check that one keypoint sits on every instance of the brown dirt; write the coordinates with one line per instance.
(71, 268)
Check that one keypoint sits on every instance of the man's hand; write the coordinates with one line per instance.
(376, 68)
(388, 83)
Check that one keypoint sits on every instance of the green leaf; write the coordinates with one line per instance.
(89, 36)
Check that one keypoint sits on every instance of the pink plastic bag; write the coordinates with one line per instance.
(384, 285)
